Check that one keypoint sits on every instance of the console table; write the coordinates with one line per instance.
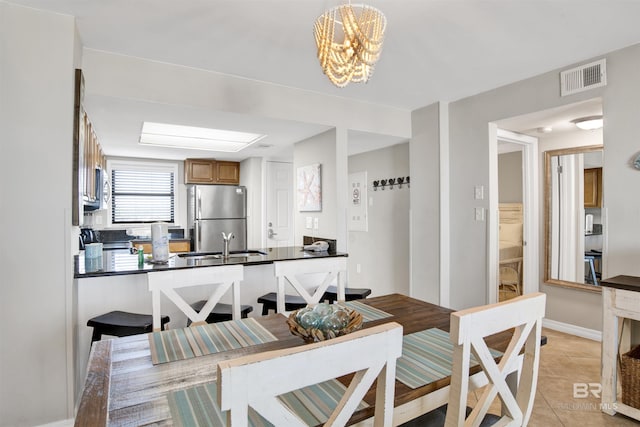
(620, 301)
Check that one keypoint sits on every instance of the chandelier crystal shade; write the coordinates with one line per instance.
(349, 40)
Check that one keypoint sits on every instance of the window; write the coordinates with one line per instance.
(142, 193)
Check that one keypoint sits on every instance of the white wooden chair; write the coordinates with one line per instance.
(468, 329)
(166, 282)
(257, 380)
(289, 271)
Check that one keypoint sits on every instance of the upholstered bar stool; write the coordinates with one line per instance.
(122, 324)
(350, 294)
(221, 312)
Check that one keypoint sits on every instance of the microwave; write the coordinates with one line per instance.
(102, 192)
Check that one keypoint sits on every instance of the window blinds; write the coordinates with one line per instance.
(142, 196)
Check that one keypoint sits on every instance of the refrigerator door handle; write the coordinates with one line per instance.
(199, 203)
(198, 235)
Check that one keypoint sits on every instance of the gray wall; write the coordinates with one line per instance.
(510, 177)
(36, 120)
(469, 146)
(317, 149)
(383, 251)
(425, 203)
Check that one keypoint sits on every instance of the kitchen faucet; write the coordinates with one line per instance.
(226, 239)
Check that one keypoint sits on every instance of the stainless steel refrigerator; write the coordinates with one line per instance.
(214, 209)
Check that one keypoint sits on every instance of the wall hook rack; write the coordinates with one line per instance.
(391, 182)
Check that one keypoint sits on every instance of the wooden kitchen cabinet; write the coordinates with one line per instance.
(199, 171)
(210, 171)
(228, 173)
(174, 246)
(593, 188)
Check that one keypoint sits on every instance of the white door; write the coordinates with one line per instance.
(279, 204)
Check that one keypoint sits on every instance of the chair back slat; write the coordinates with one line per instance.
(329, 269)
(166, 282)
(469, 328)
(256, 380)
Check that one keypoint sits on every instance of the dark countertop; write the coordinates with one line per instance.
(120, 261)
(628, 283)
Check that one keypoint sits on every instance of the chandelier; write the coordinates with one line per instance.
(360, 32)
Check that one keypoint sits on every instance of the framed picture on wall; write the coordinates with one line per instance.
(309, 188)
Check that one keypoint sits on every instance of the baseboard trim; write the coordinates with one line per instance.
(61, 423)
(567, 328)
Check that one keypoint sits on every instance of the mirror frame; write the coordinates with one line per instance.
(547, 214)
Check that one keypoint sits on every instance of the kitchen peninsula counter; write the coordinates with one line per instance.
(121, 285)
(121, 262)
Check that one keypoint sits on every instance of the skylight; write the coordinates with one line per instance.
(176, 136)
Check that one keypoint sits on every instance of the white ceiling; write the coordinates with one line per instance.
(558, 119)
(434, 50)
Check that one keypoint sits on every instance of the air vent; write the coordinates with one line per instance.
(584, 77)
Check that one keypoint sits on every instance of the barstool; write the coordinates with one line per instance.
(592, 270)
(122, 324)
(270, 302)
(221, 312)
(350, 294)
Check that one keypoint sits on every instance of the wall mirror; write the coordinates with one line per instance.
(574, 217)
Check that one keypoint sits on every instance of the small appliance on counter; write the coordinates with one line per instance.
(87, 235)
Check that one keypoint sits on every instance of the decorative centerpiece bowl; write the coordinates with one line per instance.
(323, 322)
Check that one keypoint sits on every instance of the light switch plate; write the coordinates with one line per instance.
(315, 223)
(479, 214)
(309, 222)
(479, 192)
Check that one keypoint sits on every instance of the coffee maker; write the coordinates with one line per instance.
(87, 235)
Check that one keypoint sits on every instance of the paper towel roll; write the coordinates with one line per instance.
(588, 223)
(159, 242)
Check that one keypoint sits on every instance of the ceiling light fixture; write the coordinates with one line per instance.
(361, 28)
(588, 123)
(195, 138)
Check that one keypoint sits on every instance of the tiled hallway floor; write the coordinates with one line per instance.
(565, 360)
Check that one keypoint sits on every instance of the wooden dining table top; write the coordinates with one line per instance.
(124, 387)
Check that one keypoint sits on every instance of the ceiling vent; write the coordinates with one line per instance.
(584, 77)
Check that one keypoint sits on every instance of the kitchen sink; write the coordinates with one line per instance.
(218, 255)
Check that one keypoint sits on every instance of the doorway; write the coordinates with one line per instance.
(513, 227)
(279, 204)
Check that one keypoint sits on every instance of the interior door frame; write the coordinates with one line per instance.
(530, 199)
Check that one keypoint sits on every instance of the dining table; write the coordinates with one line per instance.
(126, 386)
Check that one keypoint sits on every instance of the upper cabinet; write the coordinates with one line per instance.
(227, 173)
(199, 171)
(88, 158)
(211, 171)
(593, 188)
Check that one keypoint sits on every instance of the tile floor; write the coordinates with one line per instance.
(565, 360)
